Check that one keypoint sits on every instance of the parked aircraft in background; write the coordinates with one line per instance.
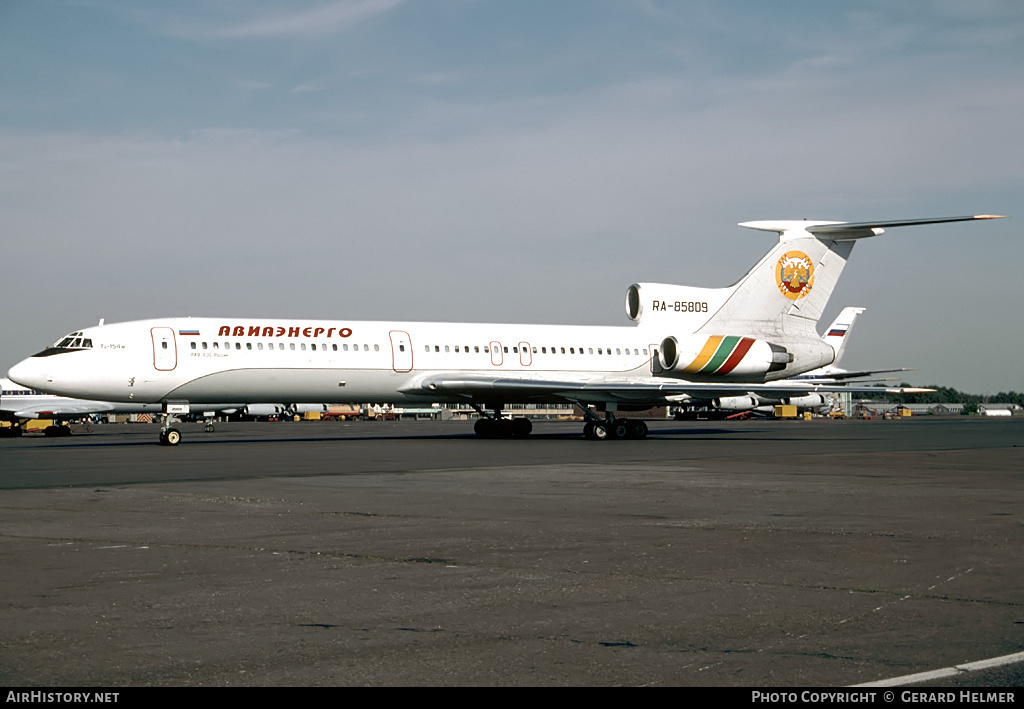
(685, 342)
(836, 337)
(19, 404)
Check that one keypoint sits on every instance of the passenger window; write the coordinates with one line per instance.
(193, 343)
(248, 345)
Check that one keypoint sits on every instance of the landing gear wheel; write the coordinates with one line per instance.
(618, 429)
(209, 428)
(170, 437)
(595, 431)
(484, 428)
(521, 427)
(636, 430)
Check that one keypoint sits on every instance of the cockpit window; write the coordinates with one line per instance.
(74, 340)
(71, 342)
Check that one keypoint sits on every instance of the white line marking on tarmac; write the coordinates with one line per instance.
(947, 671)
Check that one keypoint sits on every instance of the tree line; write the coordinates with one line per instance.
(949, 395)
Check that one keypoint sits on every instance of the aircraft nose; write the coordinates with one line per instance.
(28, 372)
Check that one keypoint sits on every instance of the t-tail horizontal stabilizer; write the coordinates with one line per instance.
(851, 230)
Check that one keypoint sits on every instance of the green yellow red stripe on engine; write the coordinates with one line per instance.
(720, 355)
(737, 355)
(706, 353)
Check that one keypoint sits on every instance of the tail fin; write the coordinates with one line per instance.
(835, 335)
(787, 291)
(783, 295)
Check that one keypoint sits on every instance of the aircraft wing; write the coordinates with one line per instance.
(838, 376)
(651, 391)
(64, 411)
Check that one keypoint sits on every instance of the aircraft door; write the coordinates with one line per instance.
(525, 354)
(655, 364)
(496, 358)
(165, 349)
(401, 351)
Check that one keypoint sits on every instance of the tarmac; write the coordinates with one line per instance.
(735, 554)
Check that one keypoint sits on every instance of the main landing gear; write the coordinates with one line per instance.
(615, 428)
(497, 427)
(609, 427)
(595, 429)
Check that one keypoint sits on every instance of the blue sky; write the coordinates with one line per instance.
(509, 162)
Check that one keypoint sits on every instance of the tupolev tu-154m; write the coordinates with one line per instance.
(685, 342)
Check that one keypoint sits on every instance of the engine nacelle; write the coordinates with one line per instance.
(684, 306)
(810, 401)
(735, 403)
(720, 357)
(263, 410)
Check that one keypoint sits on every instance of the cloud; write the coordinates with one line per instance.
(317, 22)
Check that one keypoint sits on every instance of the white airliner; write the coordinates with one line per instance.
(685, 342)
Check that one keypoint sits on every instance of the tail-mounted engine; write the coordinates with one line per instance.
(721, 356)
